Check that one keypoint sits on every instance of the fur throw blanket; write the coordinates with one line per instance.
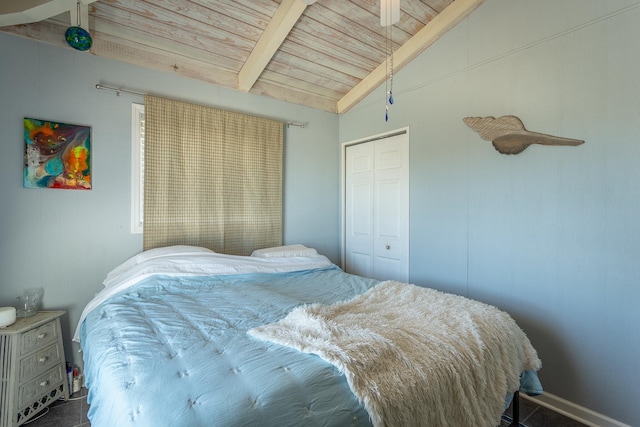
(415, 356)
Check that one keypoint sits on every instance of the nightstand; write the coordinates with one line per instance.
(33, 367)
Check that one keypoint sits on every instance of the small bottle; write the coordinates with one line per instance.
(77, 380)
(70, 378)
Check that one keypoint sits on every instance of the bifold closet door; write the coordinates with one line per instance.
(377, 208)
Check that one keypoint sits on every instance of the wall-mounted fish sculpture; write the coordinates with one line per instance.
(508, 135)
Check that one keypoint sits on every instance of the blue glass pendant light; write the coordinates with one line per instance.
(77, 37)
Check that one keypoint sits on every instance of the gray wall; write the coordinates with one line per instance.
(551, 235)
(66, 241)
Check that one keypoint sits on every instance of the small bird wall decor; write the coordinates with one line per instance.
(509, 136)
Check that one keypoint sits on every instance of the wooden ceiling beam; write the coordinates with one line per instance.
(14, 12)
(277, 30)
(429, 34)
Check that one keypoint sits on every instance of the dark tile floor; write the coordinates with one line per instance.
(532, 415)
(74, 414)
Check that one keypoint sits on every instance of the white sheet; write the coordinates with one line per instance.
(123, 268)
(196, 264)
(288, 250)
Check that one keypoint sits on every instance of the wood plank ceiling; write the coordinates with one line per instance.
(326, 55)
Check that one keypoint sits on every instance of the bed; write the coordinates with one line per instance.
(183, 336)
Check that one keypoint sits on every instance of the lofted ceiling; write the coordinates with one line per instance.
(325, 54)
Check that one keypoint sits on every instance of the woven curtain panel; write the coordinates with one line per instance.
(213, 178)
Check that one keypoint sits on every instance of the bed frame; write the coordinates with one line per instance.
(515, 405)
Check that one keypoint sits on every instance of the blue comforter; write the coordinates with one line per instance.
(173, 351)
(165, 343)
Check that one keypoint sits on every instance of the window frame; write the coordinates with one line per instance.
(137, 168)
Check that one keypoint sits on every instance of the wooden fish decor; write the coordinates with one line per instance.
(508, 135)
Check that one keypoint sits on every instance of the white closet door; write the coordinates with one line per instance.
(391, 209)
(359, 190)
(377, 209)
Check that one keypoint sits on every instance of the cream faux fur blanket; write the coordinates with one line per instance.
(415, 356)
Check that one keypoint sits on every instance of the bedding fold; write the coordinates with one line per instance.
(193, 262)
(413, 355)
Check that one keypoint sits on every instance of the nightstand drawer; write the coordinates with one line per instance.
(39, 362)
(38, 337)
(43, 384)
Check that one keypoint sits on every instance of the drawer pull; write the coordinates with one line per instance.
(41, 335)
(43, 359)
(44, 383)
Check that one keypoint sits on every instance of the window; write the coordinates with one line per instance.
(137, 168)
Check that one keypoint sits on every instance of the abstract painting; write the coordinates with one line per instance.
(57, 155)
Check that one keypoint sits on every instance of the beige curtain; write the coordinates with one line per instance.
(213, 178)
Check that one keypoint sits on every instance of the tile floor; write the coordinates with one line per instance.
(532, 415)
(74, 414)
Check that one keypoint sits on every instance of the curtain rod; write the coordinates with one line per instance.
(118, 91)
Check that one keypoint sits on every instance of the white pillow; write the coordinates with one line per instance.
(153, 253)
(284, 251)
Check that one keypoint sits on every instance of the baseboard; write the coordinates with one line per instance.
(574, 411)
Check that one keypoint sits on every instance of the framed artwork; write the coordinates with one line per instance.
(57, 155)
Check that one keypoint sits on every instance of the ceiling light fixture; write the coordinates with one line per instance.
(389, 12)
(389, 15)
(76, 36)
